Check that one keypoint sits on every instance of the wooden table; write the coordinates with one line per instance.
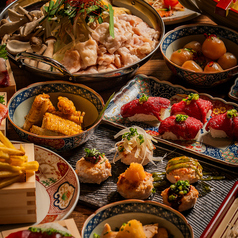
(155, 67)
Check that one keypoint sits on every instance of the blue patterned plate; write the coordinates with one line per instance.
(233, 94)
(219, 150)
(147, 212)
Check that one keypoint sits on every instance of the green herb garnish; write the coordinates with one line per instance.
(2, 99)
(181, 117)
(3, 51)
(143, 98)
(93, 153)
(231, 113)
(49, 231)
(191, 96)
(96, 235)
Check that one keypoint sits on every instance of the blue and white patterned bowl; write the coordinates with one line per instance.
(147, 212)
(84, 98)
(182, 35)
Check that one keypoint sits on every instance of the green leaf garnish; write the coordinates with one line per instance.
(3, 51)
(2, 99)
(49, 231)
(191, 96)
(181, 117)
(93, 153)
(143, 98)
(231, 113)
(111, 21)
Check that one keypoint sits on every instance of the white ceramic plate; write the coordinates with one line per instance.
(180, 16)
(57, 188)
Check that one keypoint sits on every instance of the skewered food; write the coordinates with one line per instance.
(180, 196)
(183, 168)
(48, 230)
(193, 106)
(136, 146)
(135, 182)
(145, 108)
(224, 125)
(180, 127)
(93, 168)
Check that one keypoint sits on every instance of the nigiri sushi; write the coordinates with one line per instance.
(135, 182)
(183, 168)
(193, 106)
(136, 146)
(181, 195)
(145, 108)
(224, 125)
(180, 127)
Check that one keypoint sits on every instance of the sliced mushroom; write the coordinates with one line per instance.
(30, 26)
(16, 47)
(23, 11)
(36, 43)
(14, 16)
(36, 14)
(48, 52)
(3, 21)
(11, 27)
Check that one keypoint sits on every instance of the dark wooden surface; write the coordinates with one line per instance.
(155, 67)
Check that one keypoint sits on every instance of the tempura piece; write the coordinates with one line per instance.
(76, 117)
(58, 124)
(43, 132)
(66, 106)
(39, 107)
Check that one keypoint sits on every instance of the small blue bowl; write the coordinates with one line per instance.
(85, 99)
(177, 38)
(147, 212)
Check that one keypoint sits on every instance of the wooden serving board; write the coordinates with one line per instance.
(68, 224)
(18, 201)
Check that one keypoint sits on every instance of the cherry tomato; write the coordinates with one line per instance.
(170, 3)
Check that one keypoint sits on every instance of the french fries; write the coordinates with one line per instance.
(14, 164)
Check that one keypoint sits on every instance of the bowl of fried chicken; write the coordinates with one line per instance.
(58, 115)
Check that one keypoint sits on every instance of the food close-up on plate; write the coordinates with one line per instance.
(118, 118)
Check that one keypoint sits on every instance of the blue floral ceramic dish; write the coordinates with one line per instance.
(177, 38)
(233, 94)
(220, 150)
(85, 99)
(147, 212)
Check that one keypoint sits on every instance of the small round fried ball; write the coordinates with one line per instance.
(194, 45)
(180, 56)
(192, 66)
(213, 67)
(227, 61)
(213, 48)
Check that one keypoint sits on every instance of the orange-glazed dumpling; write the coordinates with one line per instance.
(194, 45)
(213, 67)
(180, 56)
(192, 66)
(135, 182)
(228, 60)
(213, 47)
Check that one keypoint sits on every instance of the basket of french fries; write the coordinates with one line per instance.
(17, 182)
